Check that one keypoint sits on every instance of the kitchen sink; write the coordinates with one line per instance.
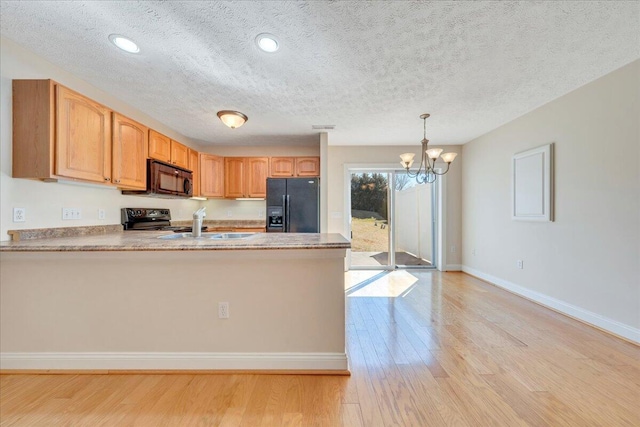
(216, 236)
(225, 236)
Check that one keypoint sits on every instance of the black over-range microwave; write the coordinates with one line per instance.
(166, 180)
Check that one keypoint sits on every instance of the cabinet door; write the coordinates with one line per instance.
(282, 167)
(257, 170)
(159, 147)
(234, 177)
(211, 175)
(307, 166)
(130, 149)
(194, 166)
(179, 154)
(83, 137)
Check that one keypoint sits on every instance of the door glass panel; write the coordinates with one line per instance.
(370, 219)
(414, 222)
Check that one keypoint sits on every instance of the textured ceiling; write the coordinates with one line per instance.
(370, 68)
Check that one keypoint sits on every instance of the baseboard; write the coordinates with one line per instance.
(454, 267)
(609, 325)
(174, 361)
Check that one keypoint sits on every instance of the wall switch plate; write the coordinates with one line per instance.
(19, 214)
(453, 249)
(101, 214)
(223, 310)
(71, 213)
(229, 214)
(520, 264)
(473, 251)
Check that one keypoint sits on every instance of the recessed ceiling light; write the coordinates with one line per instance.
(267, 42)
(124, 43)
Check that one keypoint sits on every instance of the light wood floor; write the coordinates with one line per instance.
(448, 350)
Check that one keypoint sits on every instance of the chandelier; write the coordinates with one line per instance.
(426, 173)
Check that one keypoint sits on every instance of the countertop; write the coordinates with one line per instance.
(149, 241)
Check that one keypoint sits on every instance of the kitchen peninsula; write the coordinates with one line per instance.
(134, 301)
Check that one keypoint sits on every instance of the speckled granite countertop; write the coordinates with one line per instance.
(149, 241)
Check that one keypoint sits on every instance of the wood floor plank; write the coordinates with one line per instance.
(451, 351)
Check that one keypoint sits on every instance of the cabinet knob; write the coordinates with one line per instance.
(107, 179)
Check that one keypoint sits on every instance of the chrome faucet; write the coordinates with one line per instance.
(198, 216)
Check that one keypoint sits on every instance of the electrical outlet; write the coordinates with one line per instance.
(260, 213)
(101, 214)
(473, 251)
(223, 310)
(229, 214)
(19, 214)
(453, 249)
(520, 264)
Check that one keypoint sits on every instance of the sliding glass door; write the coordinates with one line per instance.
(392, 221)
(370, 225)
(414, 222)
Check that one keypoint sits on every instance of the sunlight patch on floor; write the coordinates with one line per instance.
(378, 283)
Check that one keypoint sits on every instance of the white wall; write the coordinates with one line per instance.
(338, 156)
(586, 263)
(84, 310)
(44, 201)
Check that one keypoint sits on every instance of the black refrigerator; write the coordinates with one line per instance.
(293, 205)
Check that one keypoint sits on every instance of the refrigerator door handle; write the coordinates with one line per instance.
(286, 215)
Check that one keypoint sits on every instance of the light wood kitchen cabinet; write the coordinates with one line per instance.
(256, 176)
(234, 177)
(245, 177)
(159, 146)
(179, 154)
(287, 167)
(194, 166)
(167, 150)
(129, 153)
(211, 175)
(83, 137)
(58, 133)
(282, 167)
(307, 166)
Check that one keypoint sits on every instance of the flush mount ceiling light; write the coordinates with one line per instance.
(233, 119)
(426, 173)
(124, 43)
(267, 42)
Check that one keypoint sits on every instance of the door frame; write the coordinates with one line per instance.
(441, 212)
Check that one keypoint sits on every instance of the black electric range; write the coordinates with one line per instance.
(151, 219)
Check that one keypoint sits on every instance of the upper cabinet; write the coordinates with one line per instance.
(129, 153)
(307, 166)
(179, 154)
(282, 167)
(58, 133)
(83, 137)
(286, 167)
(167, 150)
(159, 146)
(194, 166)
(245, 177)
(211, 175)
